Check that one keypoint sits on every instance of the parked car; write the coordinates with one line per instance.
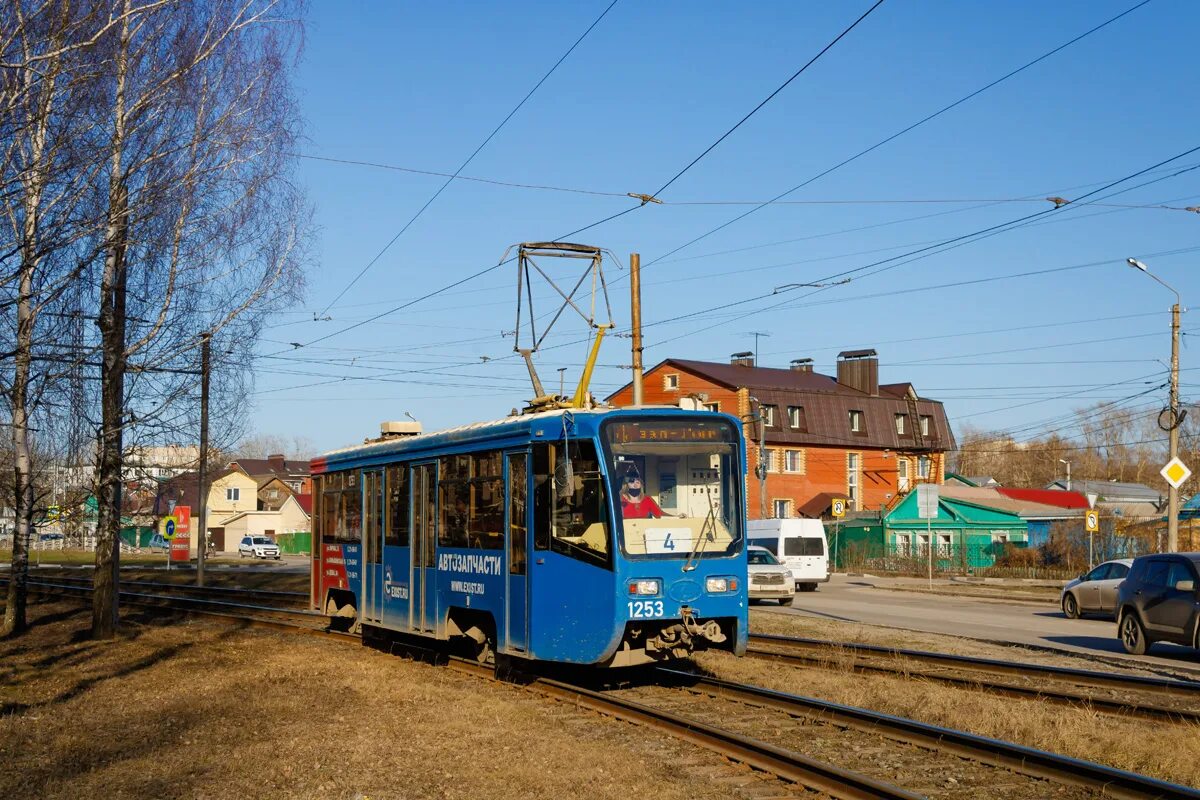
(1095, 591)
(1160, 602)
(157, 542)
(768, 578)
(258, 547)
(799, 544)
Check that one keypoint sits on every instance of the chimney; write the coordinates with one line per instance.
(802, 364)
(859, 369)
(396, 430)
(745, 359)
(275, 462)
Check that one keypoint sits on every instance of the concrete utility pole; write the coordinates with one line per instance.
(202, 534)
(1175, 419)
(635, 290)
(1068, 463)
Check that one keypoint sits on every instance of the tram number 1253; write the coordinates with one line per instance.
(645, 609)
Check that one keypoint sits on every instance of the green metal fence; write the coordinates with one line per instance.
(956, 558)
(298, 543)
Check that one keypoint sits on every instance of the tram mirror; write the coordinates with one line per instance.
(564, 478)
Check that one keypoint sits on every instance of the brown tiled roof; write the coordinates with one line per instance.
(827, 405)
(254, 467)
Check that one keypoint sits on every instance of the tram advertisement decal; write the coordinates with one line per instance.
(339, 566)
(471, 564)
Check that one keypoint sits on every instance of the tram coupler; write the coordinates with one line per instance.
(680, 640)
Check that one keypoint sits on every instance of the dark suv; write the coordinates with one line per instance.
(1160, 602)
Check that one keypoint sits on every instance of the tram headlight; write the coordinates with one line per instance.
(720, 585)
(645, 586)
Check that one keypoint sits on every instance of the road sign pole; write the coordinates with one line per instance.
(1173, 436)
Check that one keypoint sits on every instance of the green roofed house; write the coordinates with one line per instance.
(966, 536)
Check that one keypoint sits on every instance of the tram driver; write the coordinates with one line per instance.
(635, 503)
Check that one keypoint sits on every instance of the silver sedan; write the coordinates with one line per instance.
(1095, 591)
(769, 579)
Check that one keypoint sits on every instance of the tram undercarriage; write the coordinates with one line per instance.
(655, 641)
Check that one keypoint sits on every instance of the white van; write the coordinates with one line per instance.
(799, 544)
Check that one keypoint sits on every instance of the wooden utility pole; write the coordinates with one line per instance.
(635, 289)
(202, 534)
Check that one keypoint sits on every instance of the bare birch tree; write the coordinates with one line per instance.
(204, 230)
(147, 155)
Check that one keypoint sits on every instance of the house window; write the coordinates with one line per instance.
(856, 422)
(793, 461)
(923, 545)
(770, 416)
(944, 546)
(769, 460)
(714, 407)
(904, 543)
(900, 424)
(796, 418)
(783, 509)
(233, 494)
(272, 494)
(671, 382)
(902, 475)
(852, 463)
(925, 426)
(923, 464)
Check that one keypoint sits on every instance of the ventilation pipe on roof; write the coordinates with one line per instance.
(802, 365)
(744, 359)
(859, 369)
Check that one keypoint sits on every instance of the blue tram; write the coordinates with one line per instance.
(610, 537)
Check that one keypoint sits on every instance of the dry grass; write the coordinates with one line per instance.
(763, 621)
(203, 711)
(1163, 750)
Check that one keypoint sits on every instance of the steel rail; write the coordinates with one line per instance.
(1108, 781)
(186, 587)
(1082, 677)
(165, 601)
(784, 764)
(980, 683)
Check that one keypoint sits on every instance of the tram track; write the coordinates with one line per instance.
(1109, 692)
(296, 599)
(925, 759)
(878, 755)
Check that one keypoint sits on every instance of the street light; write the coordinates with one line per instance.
(1068, 463)
(1176, 419)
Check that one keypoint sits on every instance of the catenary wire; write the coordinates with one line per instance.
(471, 157)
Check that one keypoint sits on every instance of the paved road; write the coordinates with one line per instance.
(1043, 625)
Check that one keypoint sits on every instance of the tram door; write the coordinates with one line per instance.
(424, 578)
(516, 618)
(372, 572)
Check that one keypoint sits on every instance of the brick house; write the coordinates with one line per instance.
(824, 436)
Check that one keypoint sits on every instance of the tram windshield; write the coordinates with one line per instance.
(676, 485)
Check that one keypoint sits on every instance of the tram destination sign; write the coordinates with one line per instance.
(626, 432)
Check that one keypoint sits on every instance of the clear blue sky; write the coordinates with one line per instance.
(421, 85)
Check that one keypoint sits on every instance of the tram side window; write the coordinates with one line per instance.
(349, 527)
(569, 502)
(331, 501)
(471, 495)
(397, 494)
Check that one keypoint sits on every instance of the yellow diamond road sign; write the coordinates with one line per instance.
(1176, 472)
